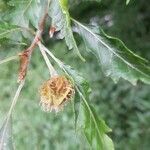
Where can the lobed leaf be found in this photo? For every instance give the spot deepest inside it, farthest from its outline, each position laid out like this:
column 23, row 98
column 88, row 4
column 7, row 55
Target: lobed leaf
column 10, row 31
column 25, row 12
column 61, row 21
column 94, row 127
column 116, row 60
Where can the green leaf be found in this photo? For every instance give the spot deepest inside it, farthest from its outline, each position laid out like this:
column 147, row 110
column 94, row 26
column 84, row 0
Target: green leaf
column 6, row 135
column 13, row 35
column 108, row 144
column 10, row 31
column 25, row 11
column 76, row 106
column 94, row 127
column 116, row 60
column 61, row 21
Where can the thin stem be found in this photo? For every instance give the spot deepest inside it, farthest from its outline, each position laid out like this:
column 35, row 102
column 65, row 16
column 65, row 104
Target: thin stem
column 14, row 101
column 16, row 97
column 60, row 64
column 51, row 55
column 8, row 59
column 49, row 65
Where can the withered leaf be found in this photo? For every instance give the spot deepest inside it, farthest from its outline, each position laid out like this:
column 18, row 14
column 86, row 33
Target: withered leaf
column 24, row 61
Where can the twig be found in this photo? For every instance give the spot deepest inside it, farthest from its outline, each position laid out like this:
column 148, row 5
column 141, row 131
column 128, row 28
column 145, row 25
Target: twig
column 26, row 54
column 25, row 57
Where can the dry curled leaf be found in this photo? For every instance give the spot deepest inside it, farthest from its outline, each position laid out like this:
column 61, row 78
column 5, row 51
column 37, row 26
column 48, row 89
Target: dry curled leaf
column 55, row 93
column 24, row 60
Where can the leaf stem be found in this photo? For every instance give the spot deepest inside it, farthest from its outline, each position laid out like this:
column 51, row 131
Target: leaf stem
column 8, row 59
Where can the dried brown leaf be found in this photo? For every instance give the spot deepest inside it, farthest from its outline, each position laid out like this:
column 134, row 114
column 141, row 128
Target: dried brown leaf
column 24, row 61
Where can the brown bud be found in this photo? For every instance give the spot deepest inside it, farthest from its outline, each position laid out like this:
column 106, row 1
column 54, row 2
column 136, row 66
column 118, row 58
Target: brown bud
column 52, row 31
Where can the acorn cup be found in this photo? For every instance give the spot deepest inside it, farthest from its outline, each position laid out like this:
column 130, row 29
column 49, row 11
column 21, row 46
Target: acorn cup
column 56, row 92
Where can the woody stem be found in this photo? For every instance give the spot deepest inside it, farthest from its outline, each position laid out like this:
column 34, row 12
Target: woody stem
column 26, row 54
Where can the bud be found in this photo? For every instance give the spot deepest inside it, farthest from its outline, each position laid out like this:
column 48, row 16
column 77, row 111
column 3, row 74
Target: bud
column 55, row 93
column 52, row 31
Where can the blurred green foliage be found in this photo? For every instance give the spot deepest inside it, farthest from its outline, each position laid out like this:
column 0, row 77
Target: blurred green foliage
column 124, row 107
